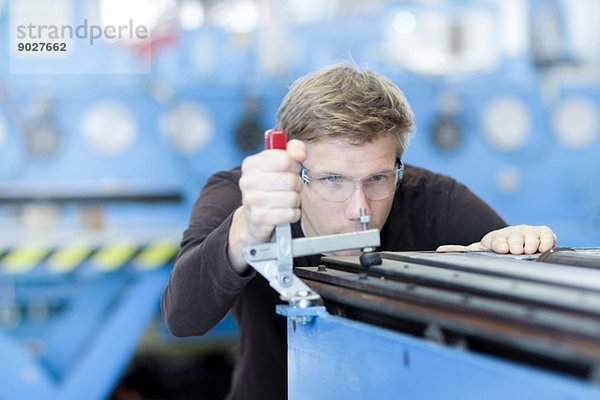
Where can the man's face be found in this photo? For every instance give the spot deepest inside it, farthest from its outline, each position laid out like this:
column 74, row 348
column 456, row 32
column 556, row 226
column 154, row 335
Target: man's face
column 330, row 157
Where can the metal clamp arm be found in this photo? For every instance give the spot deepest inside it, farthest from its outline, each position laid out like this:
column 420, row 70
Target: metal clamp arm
column 274, row 260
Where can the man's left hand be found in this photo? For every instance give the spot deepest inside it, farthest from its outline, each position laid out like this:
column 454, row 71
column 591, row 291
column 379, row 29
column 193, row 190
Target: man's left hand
column 520, row 239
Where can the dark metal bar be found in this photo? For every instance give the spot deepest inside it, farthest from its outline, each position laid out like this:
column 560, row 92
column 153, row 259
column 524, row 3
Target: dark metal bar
column 568, row 256
column 489, row 263
column 466, row 302
column 90, row 197
column 509, row 288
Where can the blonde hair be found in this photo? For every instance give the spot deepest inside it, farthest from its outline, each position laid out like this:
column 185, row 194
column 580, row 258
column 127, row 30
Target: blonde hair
column 344, row 102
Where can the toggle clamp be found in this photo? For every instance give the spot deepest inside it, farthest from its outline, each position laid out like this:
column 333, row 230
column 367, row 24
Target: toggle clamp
column 274, row 260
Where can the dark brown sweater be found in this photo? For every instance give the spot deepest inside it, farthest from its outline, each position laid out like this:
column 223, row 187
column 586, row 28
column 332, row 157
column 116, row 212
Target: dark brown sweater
column 429, row 210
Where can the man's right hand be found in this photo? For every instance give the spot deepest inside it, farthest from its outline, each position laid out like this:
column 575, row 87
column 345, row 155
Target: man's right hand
column 270, row 187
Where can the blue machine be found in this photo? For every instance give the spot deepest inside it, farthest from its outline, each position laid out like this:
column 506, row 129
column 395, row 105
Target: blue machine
column 334, row 357
column 73, row 314
column 448, row 326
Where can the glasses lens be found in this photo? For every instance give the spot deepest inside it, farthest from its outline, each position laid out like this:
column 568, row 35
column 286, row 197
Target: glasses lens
column 338, row 188
column 332, row 187
column 379, row 187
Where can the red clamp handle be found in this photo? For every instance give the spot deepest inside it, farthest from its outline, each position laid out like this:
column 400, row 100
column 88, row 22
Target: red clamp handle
column 275, row 139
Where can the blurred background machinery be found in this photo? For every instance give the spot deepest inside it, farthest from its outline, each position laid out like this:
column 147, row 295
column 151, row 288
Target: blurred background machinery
column 103, row 150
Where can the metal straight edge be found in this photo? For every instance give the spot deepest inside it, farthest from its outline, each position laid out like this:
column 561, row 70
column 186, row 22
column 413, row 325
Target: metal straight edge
column 338, row 242
column 507, row 266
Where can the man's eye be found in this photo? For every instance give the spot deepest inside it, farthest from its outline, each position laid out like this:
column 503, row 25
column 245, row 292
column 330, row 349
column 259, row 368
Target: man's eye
column 331, row 179
column 377, row 178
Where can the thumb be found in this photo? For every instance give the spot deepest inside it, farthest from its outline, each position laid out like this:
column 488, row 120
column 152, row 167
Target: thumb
column 454, row 247
column 297, row 150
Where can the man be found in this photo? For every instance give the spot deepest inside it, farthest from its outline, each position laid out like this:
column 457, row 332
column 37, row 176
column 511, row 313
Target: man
column 347, row 129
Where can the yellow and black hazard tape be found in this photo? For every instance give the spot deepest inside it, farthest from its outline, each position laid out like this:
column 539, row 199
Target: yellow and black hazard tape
column 108, row 257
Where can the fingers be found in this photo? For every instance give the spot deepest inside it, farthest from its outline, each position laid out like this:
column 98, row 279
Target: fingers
column 263, row 220
column 547, row 240
column 272, row 200
column 277, row 160
column 521, row 239
column 515, row 242
column 269, row 161
column 271, row 181
column 297, row 150
column 496, row 241
column 501, row 245
column 531, row 243
column 270, row 187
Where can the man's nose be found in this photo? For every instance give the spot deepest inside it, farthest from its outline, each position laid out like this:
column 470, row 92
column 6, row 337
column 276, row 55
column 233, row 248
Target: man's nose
column 354, row 203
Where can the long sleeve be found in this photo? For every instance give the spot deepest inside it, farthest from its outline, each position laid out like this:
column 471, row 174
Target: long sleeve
column 203, row 286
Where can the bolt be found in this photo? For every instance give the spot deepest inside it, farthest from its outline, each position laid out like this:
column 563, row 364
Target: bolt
column 364, row 219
